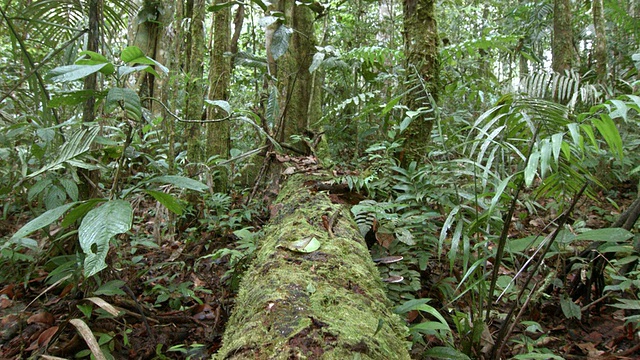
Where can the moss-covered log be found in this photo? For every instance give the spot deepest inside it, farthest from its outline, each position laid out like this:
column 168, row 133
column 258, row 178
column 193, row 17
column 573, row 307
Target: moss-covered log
column 325, row 304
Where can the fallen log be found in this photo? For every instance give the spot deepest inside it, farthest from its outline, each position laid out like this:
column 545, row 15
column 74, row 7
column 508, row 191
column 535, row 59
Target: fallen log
column 312, row 291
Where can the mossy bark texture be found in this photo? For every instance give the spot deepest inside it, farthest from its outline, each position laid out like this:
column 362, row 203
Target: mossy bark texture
column 325, row 304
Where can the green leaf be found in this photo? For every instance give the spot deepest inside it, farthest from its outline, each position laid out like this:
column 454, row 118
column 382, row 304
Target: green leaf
column 317, row 60
column 532, row 166
column 168, row 200
column 627, row 304
column 97, row 229
column 80, row 211
column 569, row 308
column 545, row 156
column 129, row 100
column 133, row 55
column 610, row 133
column 96, row 59
column 609, row 234
column 75, row 97
column 280, row 41
column 224, row 105
column 73, row 72
column 47, row 218
column 179, row 181
column 110, row 288
column 445, row 352
column 79, row 143
column 220, row 6
column 305, row 245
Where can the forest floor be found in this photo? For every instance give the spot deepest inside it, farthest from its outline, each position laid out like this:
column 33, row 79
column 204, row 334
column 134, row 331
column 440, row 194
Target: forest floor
column 176, row 300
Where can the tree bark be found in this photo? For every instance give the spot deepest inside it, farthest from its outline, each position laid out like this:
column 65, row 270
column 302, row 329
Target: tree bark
column 326, row 304
column 219, row 133
column 195, row 84
column 600, row 43
column 562, row 42
column 423, row 67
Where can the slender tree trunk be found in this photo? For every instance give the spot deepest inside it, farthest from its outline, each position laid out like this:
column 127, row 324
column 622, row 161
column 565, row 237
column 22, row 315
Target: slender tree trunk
column 421, row 46
column 562, row 42
column 195, row 84
column 90, row 178
column 600, row 43
column 218, row 133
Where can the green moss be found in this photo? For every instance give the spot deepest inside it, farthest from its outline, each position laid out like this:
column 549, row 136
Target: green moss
column 325, row 304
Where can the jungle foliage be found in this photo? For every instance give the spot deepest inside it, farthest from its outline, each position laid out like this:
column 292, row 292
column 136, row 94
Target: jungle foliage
column 511, row 142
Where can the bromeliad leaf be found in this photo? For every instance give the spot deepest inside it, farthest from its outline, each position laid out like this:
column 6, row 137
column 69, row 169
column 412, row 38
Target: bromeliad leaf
column 97, row 229
column 78, row 144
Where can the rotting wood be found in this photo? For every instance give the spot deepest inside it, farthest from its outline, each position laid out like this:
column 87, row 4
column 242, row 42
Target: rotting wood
column 325, row 304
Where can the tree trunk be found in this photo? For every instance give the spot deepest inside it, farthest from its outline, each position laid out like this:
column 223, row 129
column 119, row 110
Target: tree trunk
column 219, row 133
column 195, row 84
column 600, row 43
column 421, row 47
column 295, row 80
column 562, row 42
column 326, row 304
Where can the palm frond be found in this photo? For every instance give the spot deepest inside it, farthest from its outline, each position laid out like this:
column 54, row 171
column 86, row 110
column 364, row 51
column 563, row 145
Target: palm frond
column 58, row 20
column 566, row 88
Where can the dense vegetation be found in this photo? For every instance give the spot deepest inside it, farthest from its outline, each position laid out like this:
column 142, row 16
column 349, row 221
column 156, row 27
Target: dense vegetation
column 141, row 143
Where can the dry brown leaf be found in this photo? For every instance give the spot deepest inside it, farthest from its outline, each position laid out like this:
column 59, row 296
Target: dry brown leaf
column 88, row 337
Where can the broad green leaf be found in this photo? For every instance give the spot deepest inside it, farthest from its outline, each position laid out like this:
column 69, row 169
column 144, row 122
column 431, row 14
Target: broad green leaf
column 429, row 326
column 96, row 230
column 620, row 111
column 80, row 211
column 545, row 156
column 133, row 55
column 305, row 245
column 607, row 235
column 224, row 105
column 79, row 143
column 405, row 123
column 280, row 41
column 110, row 288
column 47, row 218
column 556, row 144
column 532, row 166
column 73, row 72
column 75, row 97
column 445, row 228
column 569, row 308
column 127, row 98
column 168, row 200
column 317, row 60
column 627, row 304
column 610, row 133
column 409, row 305
column 445, row 352
column 96, row 59
column 180, row 181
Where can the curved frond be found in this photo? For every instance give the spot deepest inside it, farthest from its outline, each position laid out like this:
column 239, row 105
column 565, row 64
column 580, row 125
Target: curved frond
column 59, row 20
